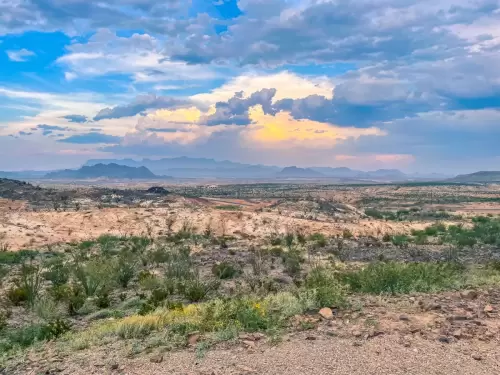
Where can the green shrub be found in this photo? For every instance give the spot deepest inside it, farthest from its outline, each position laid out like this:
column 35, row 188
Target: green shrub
column 16, row 257
column 347, row 234
column 400, row 240
column 292, row 260
column 93, row 276
column 125, row 269
column 329, row 292
column 225, row 270
column 398, row 278
column 58, row 273
column 195, row 290
column 17, row 295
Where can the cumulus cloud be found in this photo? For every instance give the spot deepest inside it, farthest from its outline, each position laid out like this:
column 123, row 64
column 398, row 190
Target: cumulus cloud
column 140, row 104
column 76, row 118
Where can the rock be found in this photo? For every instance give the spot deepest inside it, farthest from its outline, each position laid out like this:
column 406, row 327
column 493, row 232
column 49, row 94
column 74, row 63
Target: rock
column 404, row 318
column 245, row 369
column 477, row 356
column 114, row 366
column 326, row 313
column 193, row 338
column 357, row 333
column 249, row 344
column 444, row 339
column 469, row 294
column 357, row 343
column 457, row 334
column 156, row 358
column 311, row 338
column 488, row 309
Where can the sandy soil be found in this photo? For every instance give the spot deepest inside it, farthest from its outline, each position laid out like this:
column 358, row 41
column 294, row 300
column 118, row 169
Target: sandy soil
column 301, row 355
column 27, row 229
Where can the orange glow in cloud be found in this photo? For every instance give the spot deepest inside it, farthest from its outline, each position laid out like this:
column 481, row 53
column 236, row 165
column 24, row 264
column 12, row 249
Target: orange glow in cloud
column 283, row 130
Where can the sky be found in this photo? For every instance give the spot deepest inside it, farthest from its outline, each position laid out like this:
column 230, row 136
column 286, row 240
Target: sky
column 367, row 84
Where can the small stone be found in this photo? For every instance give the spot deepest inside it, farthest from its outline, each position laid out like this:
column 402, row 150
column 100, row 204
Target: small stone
column 245, row 368
column 444, row 339
column 114, row 366
column 477, row 357
column 311, row 338
column 457, row 333
column 326, row 313
column 357, row 333
column 249, row 344
column 488, row 309
column 404, row 318
column 357, row 343
column 193, row 338
column 156, row 358
column 469, row 294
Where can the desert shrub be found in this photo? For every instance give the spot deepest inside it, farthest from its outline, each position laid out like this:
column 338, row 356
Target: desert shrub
column 329, row 292
column 387, row 237
column 72, row 295
column 276, row 251
column 28, row 335
column 421, row 240
column 225, row 270
column 347, row 234
column 30, row 283
column 465, row 240
column 93, row 276
column 275, row 241
column 196, row 289
column 376, row 214
column 179, row 264
column 398, row 278
column 125, row 269
column 16, row 257
column 319, row 238
column 47, row 308
column 103, row 301
column 400, row 240
column 258, row 257
column 289, row 240
column 292, row 260
column 57, row 272
column 4, row 316
column 4, row 271
column 17, row 295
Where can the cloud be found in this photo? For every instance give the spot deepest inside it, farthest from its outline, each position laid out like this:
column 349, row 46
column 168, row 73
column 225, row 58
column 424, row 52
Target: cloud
column 76, row 118
column 79, row 16
column 287, row 85
column 49, row 129
column 19, row 55
column 91, row 138
column 140, row 104
column 138, row 56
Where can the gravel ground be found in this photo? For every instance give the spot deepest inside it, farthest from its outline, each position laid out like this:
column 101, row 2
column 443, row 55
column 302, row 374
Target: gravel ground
column 299, row 356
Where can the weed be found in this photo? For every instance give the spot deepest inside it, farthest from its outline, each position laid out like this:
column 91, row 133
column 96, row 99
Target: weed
column 328, row 290
column 225, row 270
column 397, row 278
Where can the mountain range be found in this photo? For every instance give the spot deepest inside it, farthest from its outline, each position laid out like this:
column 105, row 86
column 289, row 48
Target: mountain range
column 101, row 170
column 185, row 167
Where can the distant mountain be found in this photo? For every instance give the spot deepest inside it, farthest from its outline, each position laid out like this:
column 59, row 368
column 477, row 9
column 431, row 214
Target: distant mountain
column 185, row 167
column 294, row 172
column 380, row 174
column 100, row 170
column 482, row 176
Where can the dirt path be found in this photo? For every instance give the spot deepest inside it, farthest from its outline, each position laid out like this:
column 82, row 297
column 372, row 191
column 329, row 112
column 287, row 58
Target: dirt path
column 298, row 356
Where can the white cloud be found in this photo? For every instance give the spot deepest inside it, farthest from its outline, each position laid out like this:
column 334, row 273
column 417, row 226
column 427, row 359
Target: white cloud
column 139, row 56
column 287, row 85
column 19, row 55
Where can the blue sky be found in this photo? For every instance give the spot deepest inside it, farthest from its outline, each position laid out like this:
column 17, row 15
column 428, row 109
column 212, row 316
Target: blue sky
column 367, row 84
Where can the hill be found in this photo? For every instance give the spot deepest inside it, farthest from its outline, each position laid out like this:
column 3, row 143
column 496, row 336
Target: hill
column 111, row 170
column 482, row 176
column 186, row 167
column 295, row 172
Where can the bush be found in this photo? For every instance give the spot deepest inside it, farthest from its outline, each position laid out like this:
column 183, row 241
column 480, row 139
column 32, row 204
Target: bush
column 58, row 273
column 398, row 278
column 225, row 270
column 195, row 290
column 347, row 234
column 400, row 240
column 125, row 269
column 17, row 295
column 329, row 292
column 292, row 260
column 93, row 276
